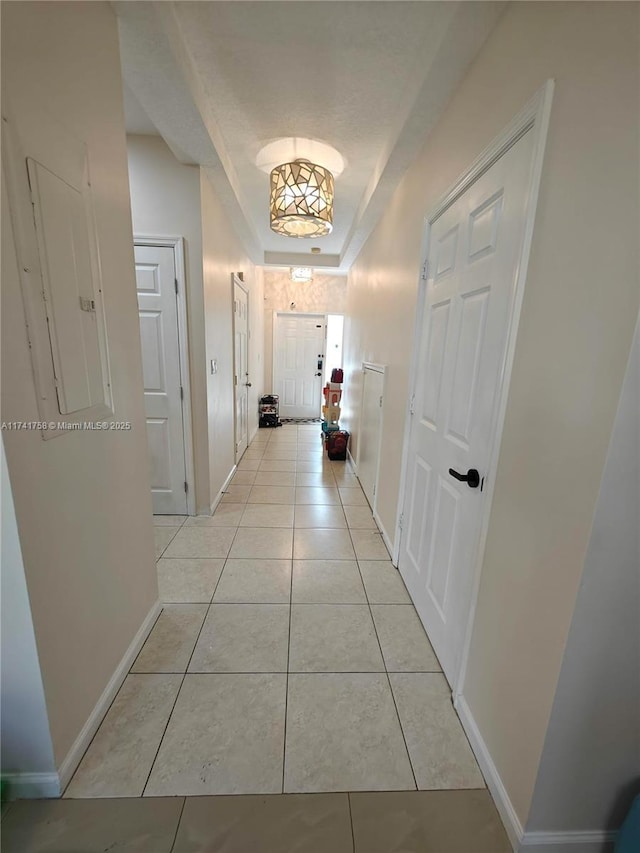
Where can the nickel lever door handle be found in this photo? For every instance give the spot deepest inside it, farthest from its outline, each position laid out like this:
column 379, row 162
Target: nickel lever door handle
column 471, row 478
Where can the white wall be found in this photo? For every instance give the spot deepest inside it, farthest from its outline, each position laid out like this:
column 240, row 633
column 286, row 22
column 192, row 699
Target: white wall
column 580, row 304
column 591, row 759
column 224, row 255
column 82, row 500
column 27, row 751
column 165, row 201
column 326, row 294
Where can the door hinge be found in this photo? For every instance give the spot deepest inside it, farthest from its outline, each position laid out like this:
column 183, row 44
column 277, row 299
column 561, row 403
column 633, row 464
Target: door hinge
column 186, row 486
column 380, row 402
column 412, row 405
column 181, row 393
column 176, row 284
column 401, row 521
column 425, row 271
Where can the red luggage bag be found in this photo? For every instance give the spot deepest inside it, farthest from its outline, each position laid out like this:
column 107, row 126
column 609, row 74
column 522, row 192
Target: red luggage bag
column 337, row 444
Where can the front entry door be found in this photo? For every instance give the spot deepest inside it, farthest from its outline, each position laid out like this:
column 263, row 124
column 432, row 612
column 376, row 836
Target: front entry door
column 241, row 366
column 474, row 254
column 298, row 358
column 159, row 334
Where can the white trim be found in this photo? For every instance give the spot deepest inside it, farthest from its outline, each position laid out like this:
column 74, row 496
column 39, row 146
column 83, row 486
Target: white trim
column 413, row 373
column 177, row 244
column 381, row 369
column 218, row 497
column 235, row 279
column 533, row 118
column 383, row 532
column 274, row 343
column 490, row 772
column 32, row 786
column 377, row 368
column 81, row 743
column 591, row 841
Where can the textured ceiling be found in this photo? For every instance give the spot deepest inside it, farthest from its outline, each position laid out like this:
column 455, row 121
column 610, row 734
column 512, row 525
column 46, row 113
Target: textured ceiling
column 219, row 80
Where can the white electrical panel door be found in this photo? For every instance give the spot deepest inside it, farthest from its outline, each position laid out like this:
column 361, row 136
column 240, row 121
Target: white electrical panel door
column 49, row 188
column 63, row 240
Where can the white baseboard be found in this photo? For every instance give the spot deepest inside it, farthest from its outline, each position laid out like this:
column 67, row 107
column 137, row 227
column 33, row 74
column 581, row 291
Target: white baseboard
column 568, row 842
column 218, row 497
column 74, row 756
column 492, row 777
column 32, row 786
column 385, row 536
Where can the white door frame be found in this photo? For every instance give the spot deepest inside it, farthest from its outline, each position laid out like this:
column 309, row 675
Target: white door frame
column 534, row 118
column 235, row 279
column 274, row 343
column 177, row 244
column 376, row 368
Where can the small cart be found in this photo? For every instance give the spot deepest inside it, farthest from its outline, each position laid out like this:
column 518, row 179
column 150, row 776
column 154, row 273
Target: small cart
column 269, row 410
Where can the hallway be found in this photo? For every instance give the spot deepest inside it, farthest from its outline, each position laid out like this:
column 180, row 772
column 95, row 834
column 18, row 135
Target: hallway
column 288, row 657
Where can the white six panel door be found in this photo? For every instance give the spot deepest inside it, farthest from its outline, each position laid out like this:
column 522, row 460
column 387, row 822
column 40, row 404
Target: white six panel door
column 474, row 253
column 241, row 366
column 299, row 348
column 157, row 309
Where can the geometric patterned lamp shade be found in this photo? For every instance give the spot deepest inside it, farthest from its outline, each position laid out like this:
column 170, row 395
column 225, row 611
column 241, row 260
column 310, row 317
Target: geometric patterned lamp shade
column 301, row 202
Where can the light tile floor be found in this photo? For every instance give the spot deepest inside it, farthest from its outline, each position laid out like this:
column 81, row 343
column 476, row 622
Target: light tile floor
column 395, row 822
column 288, row 657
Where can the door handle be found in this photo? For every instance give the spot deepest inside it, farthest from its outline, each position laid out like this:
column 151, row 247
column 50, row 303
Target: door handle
column 471, row 478
column 248, row 384
column 317, row 374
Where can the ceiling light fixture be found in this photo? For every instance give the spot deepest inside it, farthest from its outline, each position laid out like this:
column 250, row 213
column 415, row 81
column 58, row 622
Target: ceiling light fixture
column 301, row 274
column 301, row 202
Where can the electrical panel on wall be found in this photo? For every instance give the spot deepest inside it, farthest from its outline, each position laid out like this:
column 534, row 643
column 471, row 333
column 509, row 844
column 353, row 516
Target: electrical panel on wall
column 48, row 178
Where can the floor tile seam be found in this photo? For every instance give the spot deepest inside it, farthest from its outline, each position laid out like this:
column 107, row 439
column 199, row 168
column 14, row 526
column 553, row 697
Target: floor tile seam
column 393, row 698
column 353, row 832
column 179, row 691
column 290, row 671
column 286, row 694
column 175, row 837
column 90, row 744
column 159, row 557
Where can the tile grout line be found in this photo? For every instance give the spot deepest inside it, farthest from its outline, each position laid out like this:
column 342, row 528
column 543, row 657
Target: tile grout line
column 175, row 837
column 184, row 675
column 353, row 832
column 386, row 670
column 90, row 744
column 286, row 693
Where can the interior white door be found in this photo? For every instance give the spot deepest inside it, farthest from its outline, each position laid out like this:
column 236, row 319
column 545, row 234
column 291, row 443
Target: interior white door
column 159, row 333
column 474, row 253
column 241, row 366
column 298, row 357
column 370, row 431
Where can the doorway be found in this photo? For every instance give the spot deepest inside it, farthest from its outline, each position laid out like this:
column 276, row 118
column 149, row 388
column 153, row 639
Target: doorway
column 160, row 285
column 241, row 383
column 477, row 247
column 298, row 363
